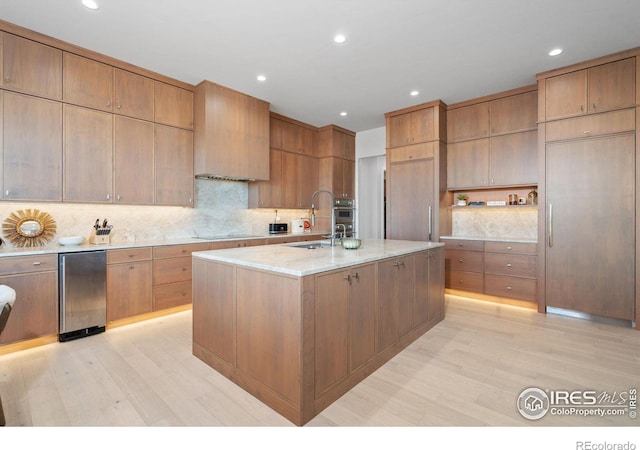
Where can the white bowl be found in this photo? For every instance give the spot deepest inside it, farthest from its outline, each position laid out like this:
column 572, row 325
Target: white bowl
column 71, row 240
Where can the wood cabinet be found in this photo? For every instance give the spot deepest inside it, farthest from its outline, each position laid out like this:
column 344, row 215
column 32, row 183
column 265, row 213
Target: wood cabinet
column 416, row 173
column 87, row 82
column 395, row 299
column 464, row 265
column 174, row 106
column 292, row 136
column 133, row 161
column 35, row 312
column 600, row 88
column 133, row 96
column 173, row 166
column 300, row 173
column 412, row 126
column 268, row 194
column 336, row 141
column 492, row 141
column 345, row 323
column 32, row 148
column 231, row 134
column 129, row 283
column 88, row 155
column 429, row 287
column 172, row 274
column 30, row 67
column 338, row 176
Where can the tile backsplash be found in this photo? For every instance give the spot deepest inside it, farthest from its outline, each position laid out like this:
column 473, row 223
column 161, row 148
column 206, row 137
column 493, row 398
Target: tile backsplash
column 220, row 209
column 497, row 222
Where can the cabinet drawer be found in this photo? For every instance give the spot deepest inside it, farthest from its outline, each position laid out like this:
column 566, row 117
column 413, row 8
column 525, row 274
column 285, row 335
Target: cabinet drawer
column 171, row 295
column 521, row 248
column 129, row 255
column 174, row 251
column 464, row 281
column 26, row 264
column 592, row 125
column 463, row 244
column 467, row 261
column 512, row 287
column 417, row 151
column 171, row 270
column 513, row 265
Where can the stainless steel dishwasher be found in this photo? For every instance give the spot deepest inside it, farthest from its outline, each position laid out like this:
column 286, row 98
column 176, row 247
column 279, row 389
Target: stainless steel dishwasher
column 83, row 294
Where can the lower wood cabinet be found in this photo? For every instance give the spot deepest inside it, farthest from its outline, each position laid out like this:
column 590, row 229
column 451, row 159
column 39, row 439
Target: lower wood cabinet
column 129, row 278
column 464, row 265
column 35, row 311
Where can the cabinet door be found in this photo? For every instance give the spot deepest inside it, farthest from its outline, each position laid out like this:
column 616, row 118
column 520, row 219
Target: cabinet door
column 129, row 290
column 133, row 95
column 30, row 67
column 173, row 105
column 514, row 113
column 173, row 162
column 612, row 86
column 88, row 155
column 348, row 178
column 32, row 144
column 565, row 95
column 300, row 180
column 308, row 178
column 590, row 256
column 399, row 130
column 411, row 200
column 268, row 194
column 88, row 82
column 133, row 161
column 421, row 125
column 362, row 312
column 468, row 164
column 468, row 122
column 514, row 159
column 35, row 312
column 388, row 308
column 406, row 294
column 435, row 284
column 255, row 130
column 332, row 329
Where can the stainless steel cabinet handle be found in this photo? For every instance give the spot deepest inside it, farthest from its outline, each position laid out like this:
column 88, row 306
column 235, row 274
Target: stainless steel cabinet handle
column 430, row 222
column 348, row 278
column 508, row 288
column 550, row 225
column 509, row 265
column 37, row 263
column 108, row 197
column 509, row 247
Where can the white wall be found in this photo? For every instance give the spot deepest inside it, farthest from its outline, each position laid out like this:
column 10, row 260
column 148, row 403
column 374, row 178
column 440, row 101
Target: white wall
column 371, row 163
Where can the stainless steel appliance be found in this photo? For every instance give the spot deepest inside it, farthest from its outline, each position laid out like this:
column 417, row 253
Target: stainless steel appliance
column 83, row 294
column 345, row 211
column 278, row 228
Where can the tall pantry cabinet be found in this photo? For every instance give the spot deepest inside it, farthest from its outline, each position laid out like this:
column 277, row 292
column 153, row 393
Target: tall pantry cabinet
column 588, row 116
column 416, row 172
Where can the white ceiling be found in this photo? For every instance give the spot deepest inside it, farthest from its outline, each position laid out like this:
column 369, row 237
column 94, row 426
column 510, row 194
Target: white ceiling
column 451, row 50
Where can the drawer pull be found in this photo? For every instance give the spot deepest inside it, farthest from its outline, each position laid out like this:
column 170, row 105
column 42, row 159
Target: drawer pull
column 460, row 245
column 184, row 269
column 508, row 247
column 131, row 256
column 460, row 261
column 132, row 267
column 37, row 263
column 508, row 288
column 184, row 251
column 508, row 264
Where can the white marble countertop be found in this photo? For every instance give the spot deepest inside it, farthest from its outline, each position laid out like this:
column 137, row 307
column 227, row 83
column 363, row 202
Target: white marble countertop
column 55, row 248
column 286, row 259
column 492, row 239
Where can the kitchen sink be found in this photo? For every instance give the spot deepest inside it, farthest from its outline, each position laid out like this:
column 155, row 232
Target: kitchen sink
column 311, row 245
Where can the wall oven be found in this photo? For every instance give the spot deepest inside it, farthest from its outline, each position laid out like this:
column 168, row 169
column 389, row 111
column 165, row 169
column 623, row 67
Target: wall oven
column 345, row 211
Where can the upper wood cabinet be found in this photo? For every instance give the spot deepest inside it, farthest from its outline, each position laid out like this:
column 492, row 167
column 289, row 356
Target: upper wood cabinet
column 411, row 127
column 88, row 82
column 338, row 142
column 173, row 105
column 301, row 180
column 133, row 161
column 88, row 155
column 31, row 148
column 338, row 176
column 231, row 133
column 30, row 67
column 292, row 136
column 133, row 95
column 468, row 122
column 268, row 193
column 173, row 166
column 600, row 88
column 514, row 113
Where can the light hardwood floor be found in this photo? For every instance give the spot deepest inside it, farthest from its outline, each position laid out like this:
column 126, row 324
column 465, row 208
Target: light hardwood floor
column 467, row 371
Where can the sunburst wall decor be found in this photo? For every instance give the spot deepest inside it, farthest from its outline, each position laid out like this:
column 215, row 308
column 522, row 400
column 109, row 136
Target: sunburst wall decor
column 29, row 228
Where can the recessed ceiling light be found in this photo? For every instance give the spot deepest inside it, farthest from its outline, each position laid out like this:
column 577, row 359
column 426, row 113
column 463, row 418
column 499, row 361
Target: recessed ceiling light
column 343, row 113
column 414, row 93
column 555, row 52
column 339, row 39
column 91, row 4
column 261, row 78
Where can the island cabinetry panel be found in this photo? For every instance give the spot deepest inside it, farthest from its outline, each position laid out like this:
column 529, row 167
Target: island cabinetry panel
column 30, row 67
column 600, row 88
column 31, row 147
column 129, row 283
column 429, row 287
column 172, row 275
column 345, row 323
column 35, row 312
column 396, row 279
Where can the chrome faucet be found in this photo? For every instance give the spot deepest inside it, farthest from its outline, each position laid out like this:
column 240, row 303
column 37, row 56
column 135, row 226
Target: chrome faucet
column 333, row 213
column 344, row 230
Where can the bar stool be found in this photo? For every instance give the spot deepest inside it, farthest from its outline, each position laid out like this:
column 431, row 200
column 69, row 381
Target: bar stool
column 7, row 298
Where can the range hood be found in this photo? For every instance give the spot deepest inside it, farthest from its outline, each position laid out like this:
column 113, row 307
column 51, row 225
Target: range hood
column 212, row 176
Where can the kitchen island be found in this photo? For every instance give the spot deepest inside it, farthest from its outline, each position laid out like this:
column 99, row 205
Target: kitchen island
column 299, row 327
